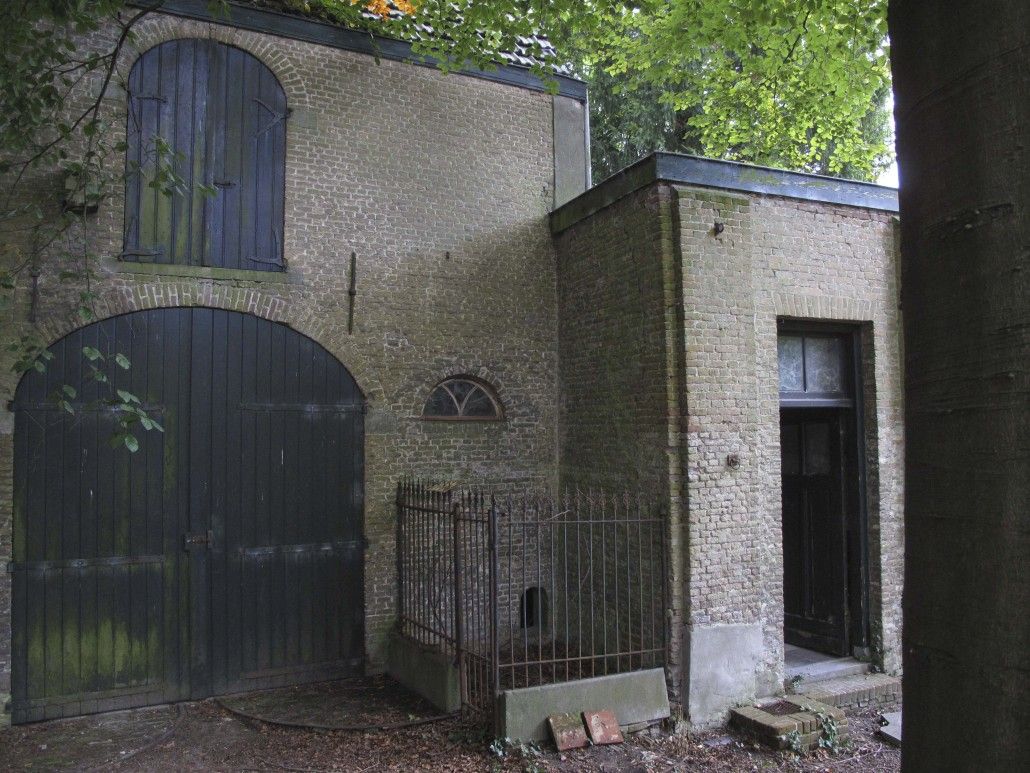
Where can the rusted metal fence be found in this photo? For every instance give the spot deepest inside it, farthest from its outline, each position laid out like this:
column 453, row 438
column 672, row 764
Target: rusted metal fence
column 525, row 591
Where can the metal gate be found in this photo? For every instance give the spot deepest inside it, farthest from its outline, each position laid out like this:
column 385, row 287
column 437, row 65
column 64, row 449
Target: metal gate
column 529, row 590
column 225, row 555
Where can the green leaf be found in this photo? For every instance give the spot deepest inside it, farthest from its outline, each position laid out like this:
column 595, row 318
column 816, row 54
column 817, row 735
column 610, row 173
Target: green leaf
column 92, row 354
column 131, row 442
column 122, row 361
column 127, row 397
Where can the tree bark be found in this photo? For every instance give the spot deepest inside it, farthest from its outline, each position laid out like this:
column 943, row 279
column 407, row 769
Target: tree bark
column 962, row 106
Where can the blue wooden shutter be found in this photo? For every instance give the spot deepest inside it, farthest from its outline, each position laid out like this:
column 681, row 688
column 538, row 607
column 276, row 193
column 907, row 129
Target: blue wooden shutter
column 224, row 115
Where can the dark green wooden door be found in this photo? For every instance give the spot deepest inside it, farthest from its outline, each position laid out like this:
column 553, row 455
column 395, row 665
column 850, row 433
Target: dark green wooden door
column 815, row 598
column 224, row 555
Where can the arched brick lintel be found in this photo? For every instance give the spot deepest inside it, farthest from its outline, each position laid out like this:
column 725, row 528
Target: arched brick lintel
column 160, row 28
column 245, row 300
column 461, row 367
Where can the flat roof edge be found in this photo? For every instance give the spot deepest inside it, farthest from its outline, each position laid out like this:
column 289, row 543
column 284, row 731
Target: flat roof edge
column 725, row 176
column 321, row 33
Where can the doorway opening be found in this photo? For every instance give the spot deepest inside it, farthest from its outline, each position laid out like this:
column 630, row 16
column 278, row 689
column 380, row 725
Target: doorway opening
column 825, row 582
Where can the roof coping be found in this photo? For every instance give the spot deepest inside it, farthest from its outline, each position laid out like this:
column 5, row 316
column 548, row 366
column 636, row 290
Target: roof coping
column 726, row 176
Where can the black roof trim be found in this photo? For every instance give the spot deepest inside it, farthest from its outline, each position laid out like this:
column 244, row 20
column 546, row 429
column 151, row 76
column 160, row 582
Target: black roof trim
column 318, row 32
column 725, row 176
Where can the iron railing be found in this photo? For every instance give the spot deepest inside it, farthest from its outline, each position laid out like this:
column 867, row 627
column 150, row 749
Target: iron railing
column 525, row 591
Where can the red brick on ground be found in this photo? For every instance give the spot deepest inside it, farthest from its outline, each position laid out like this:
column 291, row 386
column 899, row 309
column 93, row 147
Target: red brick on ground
column 603, row 727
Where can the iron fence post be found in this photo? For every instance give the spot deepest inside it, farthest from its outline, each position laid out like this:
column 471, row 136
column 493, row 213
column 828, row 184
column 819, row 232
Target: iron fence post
column 495, row 620
column 459, row 644
column 400, row 555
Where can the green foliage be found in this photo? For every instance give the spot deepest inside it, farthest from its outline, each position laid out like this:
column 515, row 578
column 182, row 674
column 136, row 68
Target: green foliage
column 51, row 126
column 526, row 753
column 794, row 83
column 800, row 84
column 793, row 739
column 830, row 739
column 629, row 120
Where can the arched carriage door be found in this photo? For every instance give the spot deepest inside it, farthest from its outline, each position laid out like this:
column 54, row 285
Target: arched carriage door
column 224, row 555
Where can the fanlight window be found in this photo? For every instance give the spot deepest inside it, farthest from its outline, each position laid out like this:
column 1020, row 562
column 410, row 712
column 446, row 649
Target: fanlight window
column 814, row 368
column 462, row 398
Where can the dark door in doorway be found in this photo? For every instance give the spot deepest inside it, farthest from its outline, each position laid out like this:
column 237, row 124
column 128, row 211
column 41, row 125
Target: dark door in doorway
column 815, row 597
column 825, row 579
column 224, row 555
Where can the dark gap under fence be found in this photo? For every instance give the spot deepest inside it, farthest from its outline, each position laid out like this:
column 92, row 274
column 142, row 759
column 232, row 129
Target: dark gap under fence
column 530, row 590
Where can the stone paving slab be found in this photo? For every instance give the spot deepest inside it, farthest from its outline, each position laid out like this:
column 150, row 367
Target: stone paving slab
column 892, row 729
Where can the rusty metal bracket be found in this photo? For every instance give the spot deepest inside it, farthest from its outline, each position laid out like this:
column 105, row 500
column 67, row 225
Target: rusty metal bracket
column 352, row 292
column 200, row 539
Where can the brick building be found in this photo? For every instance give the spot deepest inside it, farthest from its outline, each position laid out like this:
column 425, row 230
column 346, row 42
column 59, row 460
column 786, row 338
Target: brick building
column 396, row 251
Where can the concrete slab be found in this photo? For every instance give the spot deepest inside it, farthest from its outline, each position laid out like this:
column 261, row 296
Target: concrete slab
column 571, row 150
column 723, row 664
column 425, row 672
column 891, row 731
column 636, row 696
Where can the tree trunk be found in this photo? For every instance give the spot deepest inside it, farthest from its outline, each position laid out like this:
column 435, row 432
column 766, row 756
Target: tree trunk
column 962, row 105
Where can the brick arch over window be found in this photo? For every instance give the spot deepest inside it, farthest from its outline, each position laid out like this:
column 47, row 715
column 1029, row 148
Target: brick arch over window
column 217, row 115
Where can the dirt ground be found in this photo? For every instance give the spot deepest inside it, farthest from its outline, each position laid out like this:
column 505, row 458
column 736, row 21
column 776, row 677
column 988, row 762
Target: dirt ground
column 207, row 736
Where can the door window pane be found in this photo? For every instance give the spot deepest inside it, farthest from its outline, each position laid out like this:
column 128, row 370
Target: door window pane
column 792, row 375
column 823, row 365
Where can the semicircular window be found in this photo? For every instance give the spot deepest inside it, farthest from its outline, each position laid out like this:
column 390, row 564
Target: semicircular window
column 461, row 398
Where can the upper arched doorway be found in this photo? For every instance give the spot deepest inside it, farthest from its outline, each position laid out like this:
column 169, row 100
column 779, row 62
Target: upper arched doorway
column 224, row 555
column 217, row 115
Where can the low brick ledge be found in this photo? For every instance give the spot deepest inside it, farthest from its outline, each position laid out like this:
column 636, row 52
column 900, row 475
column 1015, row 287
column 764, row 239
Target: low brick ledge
column 775, row 729
column 855, row 692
